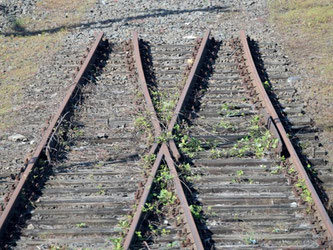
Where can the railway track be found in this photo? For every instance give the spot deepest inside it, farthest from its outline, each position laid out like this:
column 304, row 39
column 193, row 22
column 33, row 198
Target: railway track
column 168, row 146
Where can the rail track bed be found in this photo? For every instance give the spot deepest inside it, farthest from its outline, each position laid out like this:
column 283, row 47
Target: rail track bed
column 170, row 146
column 247, row 199
column 94, row 186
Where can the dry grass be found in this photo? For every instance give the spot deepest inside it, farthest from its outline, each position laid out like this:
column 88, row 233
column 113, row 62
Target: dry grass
column 308, row 29
column 58, row 13
column 19, row 62
column 21, row 56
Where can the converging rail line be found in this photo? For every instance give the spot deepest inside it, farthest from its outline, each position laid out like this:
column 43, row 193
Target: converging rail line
column 42, row 148
column 265, row 102
column 166, row 146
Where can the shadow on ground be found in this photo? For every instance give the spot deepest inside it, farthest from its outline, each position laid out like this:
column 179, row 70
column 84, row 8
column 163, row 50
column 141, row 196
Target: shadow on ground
column 19, row 30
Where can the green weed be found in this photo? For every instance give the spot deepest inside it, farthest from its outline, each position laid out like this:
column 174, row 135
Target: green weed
column 240, row 172
column 258, row 142
column 196, row 211
column 250, row 240
column 81, row 225
column 267, row 85
column 276, row 170
column 148, row 160
column 306, row 194
column 227, row 125
column 117, row 243
column 142, row 123
column 165, row 137
column 291, row 170
column 189, row 145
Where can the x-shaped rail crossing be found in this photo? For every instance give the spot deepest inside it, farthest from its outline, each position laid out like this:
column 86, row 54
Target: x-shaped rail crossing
column 190, row 226
column 248, row 67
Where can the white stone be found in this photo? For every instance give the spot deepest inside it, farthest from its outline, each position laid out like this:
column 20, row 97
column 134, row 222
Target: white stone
column 293, row 204
column 102, row 135
column 17, row 137
column 190, row 37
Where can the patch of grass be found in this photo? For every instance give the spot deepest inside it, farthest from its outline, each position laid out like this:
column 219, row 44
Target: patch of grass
column 307, row 14
column 172, row 244
column 165, row 137
column 239, row 177
column 291, row 170
column 60, row 14
column 122, row 226
column 267, row 85
column 257, row 143
column 216, row 153
column 163, row 196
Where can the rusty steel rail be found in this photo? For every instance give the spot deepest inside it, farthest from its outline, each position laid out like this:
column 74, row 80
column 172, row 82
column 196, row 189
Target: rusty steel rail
column 164, row 150
column 137, row 215
column 143, row 84
column 7, row 213
column 190, row 79
column 267, row 104
column 190, row 225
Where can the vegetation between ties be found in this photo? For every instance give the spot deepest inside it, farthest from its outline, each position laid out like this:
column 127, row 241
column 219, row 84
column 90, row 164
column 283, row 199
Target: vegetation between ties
column 257, row 143
column 305, row 192
column 162, row 200
column 160, row 205
column 300, row 185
